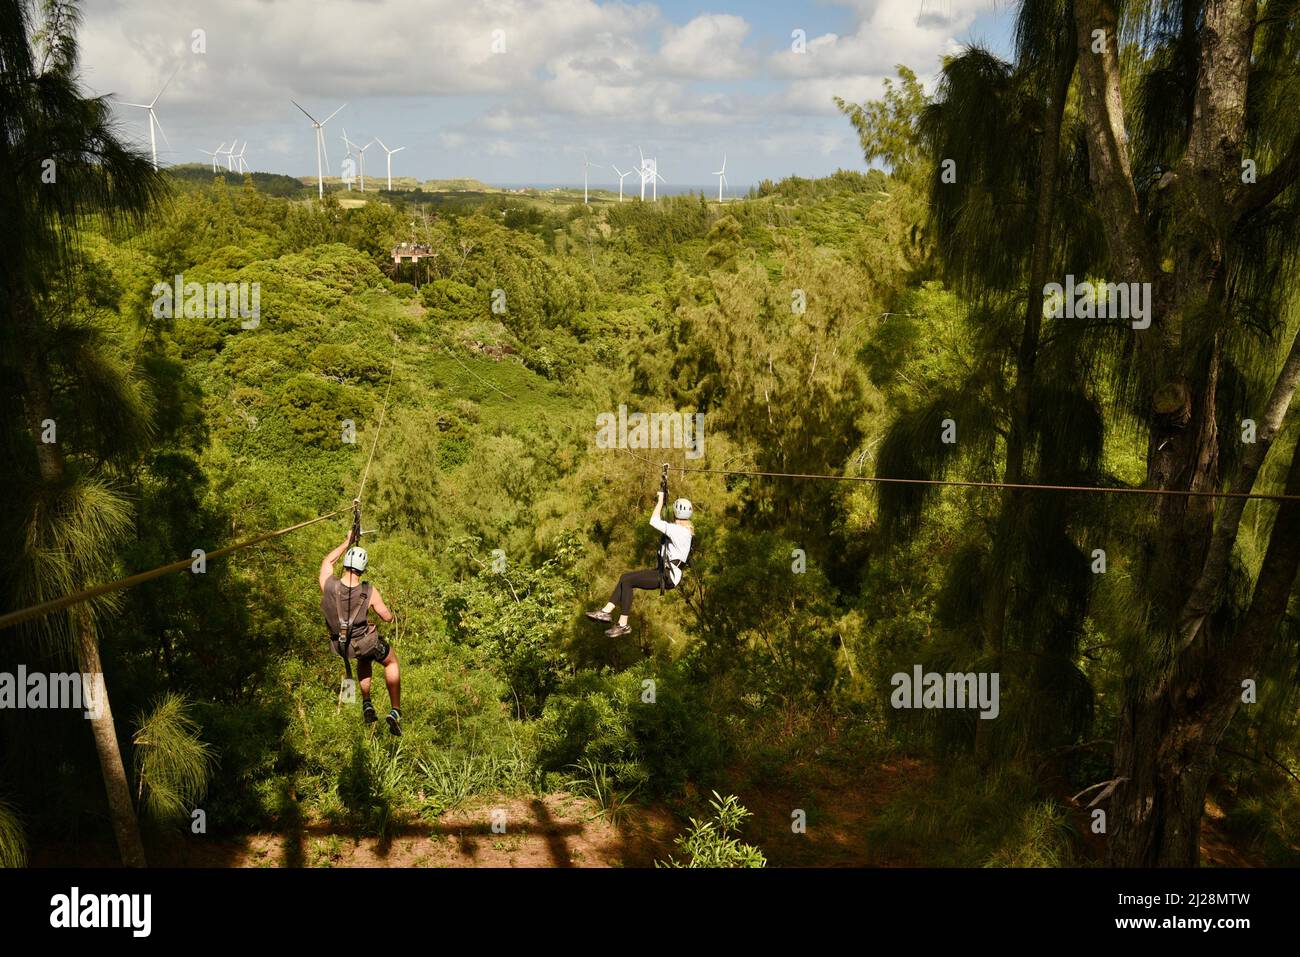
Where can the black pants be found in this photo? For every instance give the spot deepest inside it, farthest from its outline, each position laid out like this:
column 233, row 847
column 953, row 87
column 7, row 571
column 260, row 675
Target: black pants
column 646, row 578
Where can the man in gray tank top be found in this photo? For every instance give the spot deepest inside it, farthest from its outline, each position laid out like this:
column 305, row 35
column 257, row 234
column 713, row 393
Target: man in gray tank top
column 346, row 603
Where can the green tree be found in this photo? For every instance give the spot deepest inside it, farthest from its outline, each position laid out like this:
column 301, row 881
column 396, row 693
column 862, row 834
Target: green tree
column 63, row 168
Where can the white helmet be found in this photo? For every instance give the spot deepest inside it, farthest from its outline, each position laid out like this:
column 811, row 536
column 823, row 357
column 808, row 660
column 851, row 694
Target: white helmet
column 356, row 559
column 682, row 508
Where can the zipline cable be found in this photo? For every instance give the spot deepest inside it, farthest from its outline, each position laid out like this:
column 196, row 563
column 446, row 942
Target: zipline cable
column 12, row 618
column 490, row 385
column 382, row 412
column 954, row 483
column 9, row 619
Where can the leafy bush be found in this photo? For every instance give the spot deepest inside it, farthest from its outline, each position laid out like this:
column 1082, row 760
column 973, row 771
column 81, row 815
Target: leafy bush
column 516, row 619
column 172, row 764
column 317, row 408
column 605, row 720
column 711, row 842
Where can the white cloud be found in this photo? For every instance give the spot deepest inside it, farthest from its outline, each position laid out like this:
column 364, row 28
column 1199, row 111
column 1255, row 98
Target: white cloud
column 708, row 47
column 816, row 95
column 588, row 74
column 887, row 32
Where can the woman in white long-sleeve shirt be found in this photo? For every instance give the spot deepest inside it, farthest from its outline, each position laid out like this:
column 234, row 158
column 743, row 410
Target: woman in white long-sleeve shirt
column 676, row 548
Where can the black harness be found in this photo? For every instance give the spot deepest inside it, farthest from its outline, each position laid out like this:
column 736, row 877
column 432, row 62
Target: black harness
column 346, row 622
column 663, row 561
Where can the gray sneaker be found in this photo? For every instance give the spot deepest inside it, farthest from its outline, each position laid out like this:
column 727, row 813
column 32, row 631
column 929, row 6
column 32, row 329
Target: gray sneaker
column 599, row 616
column 618, row 631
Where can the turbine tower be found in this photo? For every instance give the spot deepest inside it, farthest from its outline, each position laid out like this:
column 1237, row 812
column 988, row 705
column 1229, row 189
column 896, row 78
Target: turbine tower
column 621, row 175
column 361, row 152
column 320, row 146
column 390, row 160
column 586, row 165
column 722, row 176
column 226, row 153
column 239, row 157
column 350, row 147
column 153, row 119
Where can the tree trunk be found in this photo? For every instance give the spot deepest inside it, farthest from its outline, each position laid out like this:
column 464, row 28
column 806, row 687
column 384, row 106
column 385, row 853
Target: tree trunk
column 1166, row 743
column 126, row 826
column 1180, row 695
column 40, row 406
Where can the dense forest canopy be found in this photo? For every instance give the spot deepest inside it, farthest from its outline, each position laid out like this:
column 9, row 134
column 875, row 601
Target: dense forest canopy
column 889, row 323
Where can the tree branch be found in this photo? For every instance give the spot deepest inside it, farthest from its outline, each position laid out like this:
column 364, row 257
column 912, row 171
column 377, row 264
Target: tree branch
column 1204, row 596
column 1108, row 161
column 1253, row 197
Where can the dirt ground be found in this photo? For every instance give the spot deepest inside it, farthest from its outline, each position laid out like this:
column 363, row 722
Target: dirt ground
column 563, row 830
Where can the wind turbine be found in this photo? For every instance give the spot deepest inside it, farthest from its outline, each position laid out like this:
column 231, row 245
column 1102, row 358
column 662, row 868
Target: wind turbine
column 214, row 154
column 390, row 160
column 621, row 174
column 650, row 174
column 586, row 165
column 349, row 146
column 227, row 153
column 722, row 176
column 320, row 146
column 240, row 158
column 153, row 119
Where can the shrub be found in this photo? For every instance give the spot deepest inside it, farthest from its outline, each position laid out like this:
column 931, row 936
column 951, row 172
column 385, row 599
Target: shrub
column 711, row 842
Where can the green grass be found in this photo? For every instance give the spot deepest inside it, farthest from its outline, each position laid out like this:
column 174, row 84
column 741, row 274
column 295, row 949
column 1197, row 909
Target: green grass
column 963, row 820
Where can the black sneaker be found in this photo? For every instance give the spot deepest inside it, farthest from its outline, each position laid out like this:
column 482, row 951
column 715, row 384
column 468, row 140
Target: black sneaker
column 599, row 616
column 394, row 720
column 618, row 631
column 368, row 712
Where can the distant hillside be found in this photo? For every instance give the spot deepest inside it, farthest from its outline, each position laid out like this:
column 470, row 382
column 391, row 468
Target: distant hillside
column 409, row 183
column 276, row 184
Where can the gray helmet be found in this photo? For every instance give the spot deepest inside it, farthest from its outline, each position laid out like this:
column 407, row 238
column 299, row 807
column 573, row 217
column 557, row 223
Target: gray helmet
column 682, row 508
column 356, row 559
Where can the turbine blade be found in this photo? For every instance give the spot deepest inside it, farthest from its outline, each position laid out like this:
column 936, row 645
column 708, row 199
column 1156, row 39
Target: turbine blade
column 381, row 143
column 167, row 84
column 153, row 116
column 304, row 112
column 398, row 150
column 332, row 115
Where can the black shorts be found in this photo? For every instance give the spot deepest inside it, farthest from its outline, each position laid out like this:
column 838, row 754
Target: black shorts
column 378, row 654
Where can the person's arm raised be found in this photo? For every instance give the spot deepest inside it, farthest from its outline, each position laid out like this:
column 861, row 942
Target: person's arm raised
column 655, row 520
column 327, row 563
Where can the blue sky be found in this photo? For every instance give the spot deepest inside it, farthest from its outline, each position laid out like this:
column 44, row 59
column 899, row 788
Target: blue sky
column 512, row 91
